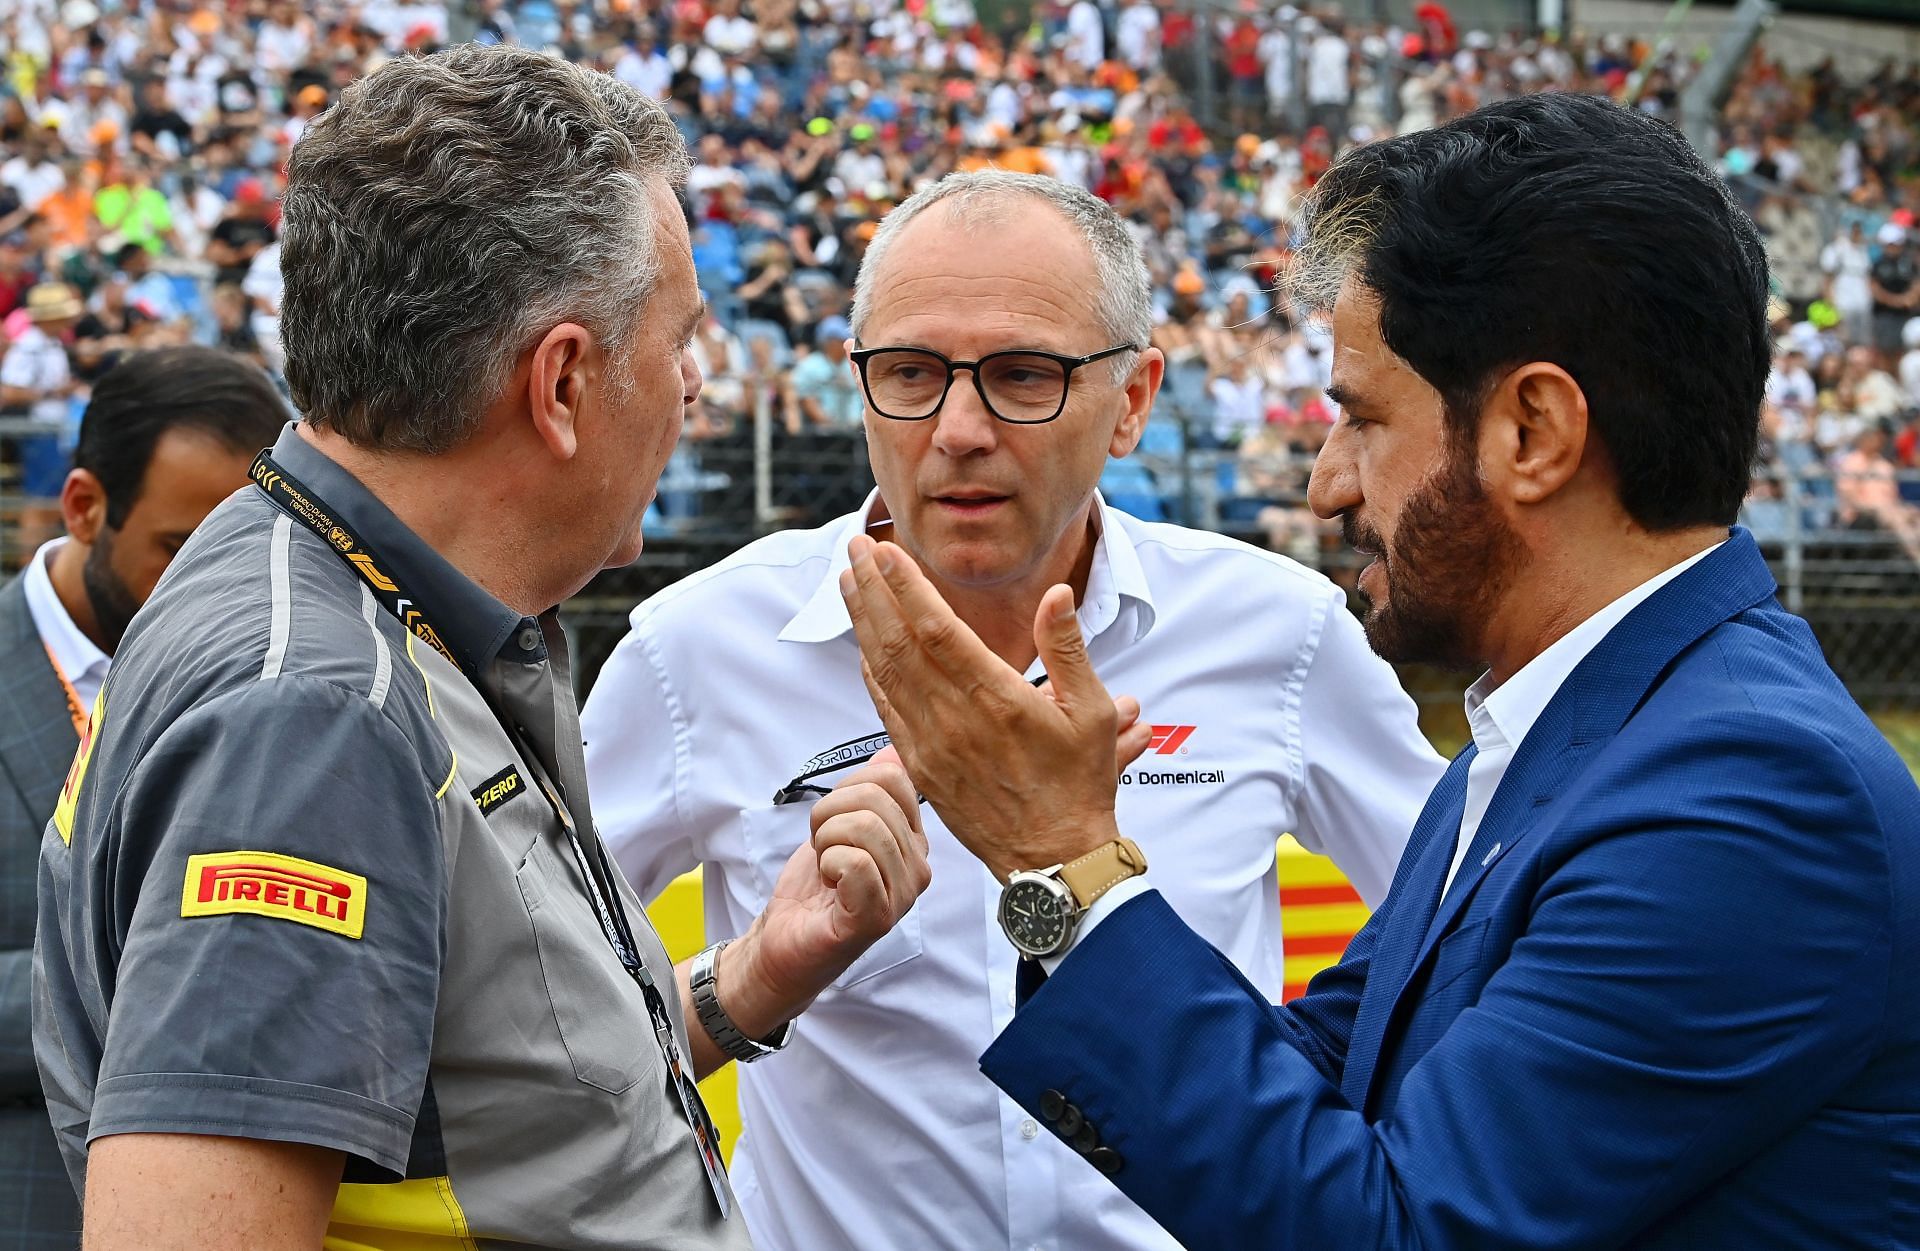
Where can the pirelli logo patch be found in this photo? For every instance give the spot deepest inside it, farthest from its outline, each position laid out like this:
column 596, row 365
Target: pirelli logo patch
column 264, row 884
column 498, row 789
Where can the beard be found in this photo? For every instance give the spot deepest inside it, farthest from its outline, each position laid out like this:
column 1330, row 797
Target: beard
column 1451, row 558
column 107, row 594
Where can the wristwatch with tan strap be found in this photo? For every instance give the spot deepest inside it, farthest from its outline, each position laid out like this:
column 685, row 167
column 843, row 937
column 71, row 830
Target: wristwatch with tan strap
column 1041, row 908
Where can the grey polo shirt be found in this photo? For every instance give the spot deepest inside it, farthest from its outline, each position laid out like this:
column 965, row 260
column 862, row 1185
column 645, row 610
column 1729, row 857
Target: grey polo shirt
column 303, row 885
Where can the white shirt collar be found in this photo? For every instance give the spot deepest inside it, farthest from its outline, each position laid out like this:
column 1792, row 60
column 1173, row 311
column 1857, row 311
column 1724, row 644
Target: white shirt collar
column 1501, row 716
column 83, row 663
column 1115, row 582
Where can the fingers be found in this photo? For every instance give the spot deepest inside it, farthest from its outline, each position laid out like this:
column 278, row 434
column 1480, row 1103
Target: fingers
column 874, row 812
column 943, row 642
column 857, row 885
column 1131, row 743
column 1063, row 650
column 1127, row 709
column 866, row 834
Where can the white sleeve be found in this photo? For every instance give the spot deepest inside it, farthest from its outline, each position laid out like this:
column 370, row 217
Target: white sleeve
column 636, row 736
column 1103, row 908
column 1366, row 768
column 16, row 369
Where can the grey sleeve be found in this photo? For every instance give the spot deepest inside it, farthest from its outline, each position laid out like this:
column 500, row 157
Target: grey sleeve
column 278, row 885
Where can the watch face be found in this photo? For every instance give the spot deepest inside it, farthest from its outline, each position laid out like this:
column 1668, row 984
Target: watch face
column 1035, row 915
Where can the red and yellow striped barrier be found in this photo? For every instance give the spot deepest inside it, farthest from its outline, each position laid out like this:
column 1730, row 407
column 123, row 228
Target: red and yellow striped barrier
column 1319, row 913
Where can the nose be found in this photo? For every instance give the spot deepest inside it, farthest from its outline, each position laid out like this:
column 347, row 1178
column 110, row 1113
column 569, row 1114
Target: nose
column 963, row 426
column 691, row 381
column 1335, row 485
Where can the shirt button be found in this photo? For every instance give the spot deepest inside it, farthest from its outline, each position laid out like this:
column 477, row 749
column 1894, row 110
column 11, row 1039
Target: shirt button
column 529, row 638
column 1029, row 1130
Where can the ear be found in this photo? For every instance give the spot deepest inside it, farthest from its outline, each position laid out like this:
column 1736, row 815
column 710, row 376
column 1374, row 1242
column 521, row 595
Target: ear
column 562, row 370
column 1142, row 385
column 83, row 506
column 1533, row 432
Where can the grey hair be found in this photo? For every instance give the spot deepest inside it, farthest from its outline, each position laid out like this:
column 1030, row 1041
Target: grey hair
column 444, row 214
column 1124, row 302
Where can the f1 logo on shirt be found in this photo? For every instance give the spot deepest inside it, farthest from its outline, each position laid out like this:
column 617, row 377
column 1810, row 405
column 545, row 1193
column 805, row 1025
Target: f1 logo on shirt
column 265, row 884
column 1168, row 740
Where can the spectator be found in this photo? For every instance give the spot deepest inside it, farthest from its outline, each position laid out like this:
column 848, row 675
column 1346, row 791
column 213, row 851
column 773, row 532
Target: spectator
column 825, row 393
column 1239, row 400
column 1896, row 291
column 17, row 272
column 724, row 396
column 241, row 233
column 1869, row 495
column 1910, row 362
column 158, row 130
column 132, row 208
column 31, row 173
column 1848, row 262
column 36, row 381
column 1329, row 78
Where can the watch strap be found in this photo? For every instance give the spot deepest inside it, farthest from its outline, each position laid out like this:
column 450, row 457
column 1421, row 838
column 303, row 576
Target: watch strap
column 1102, row 869
column 714, row 1019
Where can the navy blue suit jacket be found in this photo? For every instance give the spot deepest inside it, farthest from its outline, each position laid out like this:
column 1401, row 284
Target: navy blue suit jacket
column 1672, row 999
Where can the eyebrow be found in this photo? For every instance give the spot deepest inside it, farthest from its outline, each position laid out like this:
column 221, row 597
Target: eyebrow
column 693, row 322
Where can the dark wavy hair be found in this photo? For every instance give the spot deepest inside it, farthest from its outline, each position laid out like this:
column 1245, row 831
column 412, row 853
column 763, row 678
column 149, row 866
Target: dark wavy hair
column 1564, row 228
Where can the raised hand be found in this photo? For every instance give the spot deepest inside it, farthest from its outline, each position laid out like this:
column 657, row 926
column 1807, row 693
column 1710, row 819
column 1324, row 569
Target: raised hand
column 1024, row 778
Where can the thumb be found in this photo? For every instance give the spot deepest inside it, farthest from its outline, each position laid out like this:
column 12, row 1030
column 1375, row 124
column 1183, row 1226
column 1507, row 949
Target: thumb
column 888, row 755
column 1063, row 651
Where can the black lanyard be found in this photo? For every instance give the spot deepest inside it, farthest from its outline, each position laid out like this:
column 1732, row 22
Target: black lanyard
column 303, row 506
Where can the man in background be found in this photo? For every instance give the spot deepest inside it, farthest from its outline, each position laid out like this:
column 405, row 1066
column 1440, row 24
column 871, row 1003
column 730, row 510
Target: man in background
column 166, row 436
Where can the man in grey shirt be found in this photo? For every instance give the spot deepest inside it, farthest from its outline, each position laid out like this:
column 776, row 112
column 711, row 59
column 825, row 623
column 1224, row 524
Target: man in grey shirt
column 329, row 947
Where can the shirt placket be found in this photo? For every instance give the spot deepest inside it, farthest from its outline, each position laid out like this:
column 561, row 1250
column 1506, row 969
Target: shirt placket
column 1034, row 1215
column 1033, row 1190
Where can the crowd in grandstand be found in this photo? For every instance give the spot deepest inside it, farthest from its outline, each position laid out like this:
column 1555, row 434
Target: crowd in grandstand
column 141, row 150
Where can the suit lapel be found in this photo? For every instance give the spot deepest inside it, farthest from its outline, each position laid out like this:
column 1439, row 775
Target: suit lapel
column 36, row 731
column 1593, row 703
column 1435, row 836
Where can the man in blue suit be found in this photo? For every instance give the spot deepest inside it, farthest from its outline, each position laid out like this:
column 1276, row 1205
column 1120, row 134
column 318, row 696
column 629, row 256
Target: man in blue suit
column 1649, row 974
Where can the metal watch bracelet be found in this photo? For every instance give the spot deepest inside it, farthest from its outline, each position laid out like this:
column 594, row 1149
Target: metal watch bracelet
column 714, row 1019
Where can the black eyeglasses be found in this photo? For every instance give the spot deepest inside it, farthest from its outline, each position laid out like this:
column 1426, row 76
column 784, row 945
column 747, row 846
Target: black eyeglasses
column 1022, row 388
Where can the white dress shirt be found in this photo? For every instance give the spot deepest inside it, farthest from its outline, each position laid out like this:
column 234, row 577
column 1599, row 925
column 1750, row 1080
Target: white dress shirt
column 875, row 1128
column 83, row 663
column 1500, row 716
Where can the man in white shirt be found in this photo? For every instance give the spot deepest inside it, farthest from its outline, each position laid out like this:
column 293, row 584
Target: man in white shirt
column 264, row 286
column 1329, row 79
column 35, row 375
column 167, row 436
column 737, row 699
column 1239, row 401
column 32, row 172
column 1086, row 35
column 729, row 32
column 1139, row 36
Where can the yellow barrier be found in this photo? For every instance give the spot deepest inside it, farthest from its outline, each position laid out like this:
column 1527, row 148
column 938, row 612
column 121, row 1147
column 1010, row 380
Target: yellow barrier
column 1319, row 914
column 678, row 916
